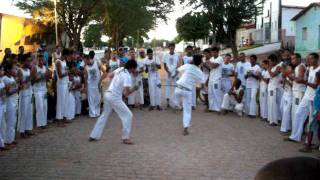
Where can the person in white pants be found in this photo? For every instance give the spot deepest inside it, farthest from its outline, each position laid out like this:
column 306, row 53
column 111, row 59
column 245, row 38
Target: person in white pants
column 206, row 72
column 62, row 87
column 187, row 59
column 227, row 74
column 298, row 87
column 77, row 92
column 214, row 88
column 153, row 65
column 191, row 74
column 241, row 69
column 10, row 102
column 233, row 100
column 286, row 100
column 263, row 95
column 25, row 110
column 40, row 76
column 171, row 63
column 275, row 74
column 305, row 107
column 252, row 76
column 137, row 97
column 120, row 85
column 2, row 110
column 93, row 80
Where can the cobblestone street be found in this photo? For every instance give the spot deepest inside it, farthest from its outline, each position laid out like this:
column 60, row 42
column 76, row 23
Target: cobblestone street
column 219, row 147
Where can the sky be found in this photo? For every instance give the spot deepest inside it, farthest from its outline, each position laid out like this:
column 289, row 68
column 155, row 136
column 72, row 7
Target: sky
column 163, row 30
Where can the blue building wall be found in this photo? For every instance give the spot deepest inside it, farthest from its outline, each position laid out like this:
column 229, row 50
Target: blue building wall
column 311, row 21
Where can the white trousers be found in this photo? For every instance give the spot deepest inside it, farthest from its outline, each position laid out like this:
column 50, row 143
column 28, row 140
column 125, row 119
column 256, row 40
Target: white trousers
column 185, row 97
column 169, row 88
column 286, row 102
column 304, row 110
column 215, row 96
column 272, row 106
column 194, row 96
column 226, row 85
column 2, row 123
column 279, row 95
column 11, row 118
column 136, row 96
column 154, row 90
column 77, row 97
column 296, row 99
column 113, row 103
column 94, row 101
column 41, row 107
column 251, row 101
column 230, row 103
column 25, row 116
column 62, row 94
column 263, row 96
column 71, row 106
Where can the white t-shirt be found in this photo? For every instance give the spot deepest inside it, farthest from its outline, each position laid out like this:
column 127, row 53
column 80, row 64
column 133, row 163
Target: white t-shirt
column 216, row 74
column 2, row 91
column 187, row 59
column 190, row 76
column 151, row 63
column 310, row 92
column 11, row 82
column 274, row 82
column 265, row 75
column 250, row 81
column 227, row 70
column 298, row 87
column 241, row 69
column 172, row 62
column 120, row 80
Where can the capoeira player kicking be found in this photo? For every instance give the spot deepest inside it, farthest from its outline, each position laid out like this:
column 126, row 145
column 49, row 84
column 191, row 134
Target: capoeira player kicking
column 191, row 74
column 119, row 86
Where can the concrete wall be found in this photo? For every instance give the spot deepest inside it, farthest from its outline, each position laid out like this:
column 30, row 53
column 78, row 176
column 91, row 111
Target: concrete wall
column 310, row 20
column 287, row 24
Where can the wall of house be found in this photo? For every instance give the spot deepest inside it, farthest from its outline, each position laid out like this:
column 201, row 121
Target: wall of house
column 312, row 41
column 15, row 31
column 287, row 24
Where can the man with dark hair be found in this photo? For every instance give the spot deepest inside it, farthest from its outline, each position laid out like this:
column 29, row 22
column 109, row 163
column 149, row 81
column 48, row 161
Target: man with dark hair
column 285, row 55
column 191, row 74
column 120, row 86
column 227, row 73
column 305, row 107
column 241, row 68
column 6, row 57
column 123, row 59
column 206, row 72
column 20, row 53
column 171, row 64
column 296, row 168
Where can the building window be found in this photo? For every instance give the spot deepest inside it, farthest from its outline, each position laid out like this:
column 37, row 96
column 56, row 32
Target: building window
column 304, row 33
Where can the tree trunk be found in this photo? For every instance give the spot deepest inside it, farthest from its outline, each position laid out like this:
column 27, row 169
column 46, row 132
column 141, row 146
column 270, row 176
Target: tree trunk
column 233, row 44
column 194, row 43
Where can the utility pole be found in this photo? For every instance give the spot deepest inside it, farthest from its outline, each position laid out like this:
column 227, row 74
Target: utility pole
column 56, row 21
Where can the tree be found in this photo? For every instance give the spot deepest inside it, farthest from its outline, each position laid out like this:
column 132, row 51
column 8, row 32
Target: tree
column 92, row 36
column 192, row 27
column 74, row 15
column 226, row 16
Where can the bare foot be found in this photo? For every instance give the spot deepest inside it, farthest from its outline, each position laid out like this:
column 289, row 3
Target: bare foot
column 127, row 142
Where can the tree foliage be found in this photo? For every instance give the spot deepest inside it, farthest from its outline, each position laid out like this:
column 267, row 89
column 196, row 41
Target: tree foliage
column 74, row 15
column 226, row 16
column 92, row 36
column 192, row 27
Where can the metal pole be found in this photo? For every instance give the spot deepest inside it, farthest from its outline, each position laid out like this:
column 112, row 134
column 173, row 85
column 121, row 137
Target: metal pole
column 56, row 20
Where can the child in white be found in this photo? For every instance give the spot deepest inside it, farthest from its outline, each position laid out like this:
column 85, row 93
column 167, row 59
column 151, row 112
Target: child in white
column 39, row 76
column 215, row 94
column 263, row 95
column 92, row 84
column 137, row 96
column 227, row 73
column 25, row 116
column 241, row 69
column 233, row 100
column 286, row 99
column 10, row 102
column 120, row 84
column 275, row 74
column 153, row 65
column 77, row 93
column 71, row 102
column 171, row 61
column 191, row 74
column 305, row 108
column 252, row 84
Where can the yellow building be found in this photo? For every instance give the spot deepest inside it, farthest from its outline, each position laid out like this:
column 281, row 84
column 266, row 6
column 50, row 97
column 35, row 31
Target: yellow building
column 16, row 31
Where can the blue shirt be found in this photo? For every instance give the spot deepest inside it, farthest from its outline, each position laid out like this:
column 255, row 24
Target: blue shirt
column 124, row 59
column 316, row 102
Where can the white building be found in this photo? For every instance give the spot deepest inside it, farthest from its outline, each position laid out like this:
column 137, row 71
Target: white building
column 274, row 24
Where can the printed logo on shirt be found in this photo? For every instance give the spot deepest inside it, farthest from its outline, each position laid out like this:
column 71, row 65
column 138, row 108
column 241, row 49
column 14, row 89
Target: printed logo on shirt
column 271, row 93
column 297, row 101
column 241, row 70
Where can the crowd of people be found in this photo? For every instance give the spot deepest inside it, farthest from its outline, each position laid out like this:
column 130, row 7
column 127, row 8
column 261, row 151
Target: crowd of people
column 283, row 91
